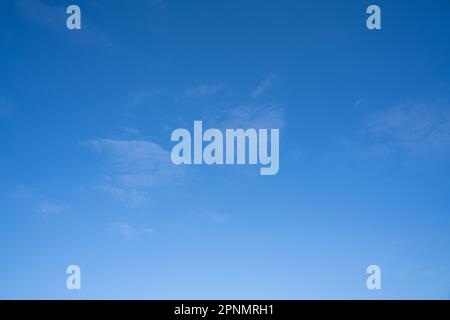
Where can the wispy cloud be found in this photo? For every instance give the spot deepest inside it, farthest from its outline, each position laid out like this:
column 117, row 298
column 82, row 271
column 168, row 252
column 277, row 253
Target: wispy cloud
column 136, row 163
column 131, row 131
column 217, row 217
column 133, row 168
column 209, row 216
column 132, row 197
column 359, row 103
column 46, row 207
column 23, row 192
column 204, row 90
column 250, row 116
column 40, row 13
column 413, row 126
column 263, row 86
column 40, row 202
column 129, row 231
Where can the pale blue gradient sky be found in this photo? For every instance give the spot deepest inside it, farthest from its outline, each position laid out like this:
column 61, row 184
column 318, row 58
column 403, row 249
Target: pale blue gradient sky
column 85, row 171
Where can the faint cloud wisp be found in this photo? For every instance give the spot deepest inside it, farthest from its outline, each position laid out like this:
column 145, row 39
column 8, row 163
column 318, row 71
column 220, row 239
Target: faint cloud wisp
column 203, row 91
column 133, row 168
column 415, row 127
column 39, row 201
column 250, row 116
column 129, row 231
column 262, row 87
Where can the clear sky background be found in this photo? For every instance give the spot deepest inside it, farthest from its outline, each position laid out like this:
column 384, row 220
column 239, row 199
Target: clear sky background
column 85, row 170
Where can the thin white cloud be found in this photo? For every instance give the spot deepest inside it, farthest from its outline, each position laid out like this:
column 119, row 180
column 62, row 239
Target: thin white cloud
column 132, row 131
column 204, row 90
column 415, row 127
column 129, row 231
column 39, row 201
column 51, row 208
column 250, row 116
column 23, row 192
column 38, row 12
column 133, row 168
column 359, row 103
column 263, row 86
column 216, row 217
column 208, row 216
column 132, row 197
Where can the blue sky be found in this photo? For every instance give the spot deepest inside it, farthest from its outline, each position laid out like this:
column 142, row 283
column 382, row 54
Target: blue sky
column 85, row 171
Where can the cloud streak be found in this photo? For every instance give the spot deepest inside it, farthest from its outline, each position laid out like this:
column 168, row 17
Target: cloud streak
column 129, row 231
column 262, row 87
column 250, row 116
column 415, row 127
column 41, row 204
column 40, row 13
column 204, row 91
column 50, row 208
column 133, row 168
